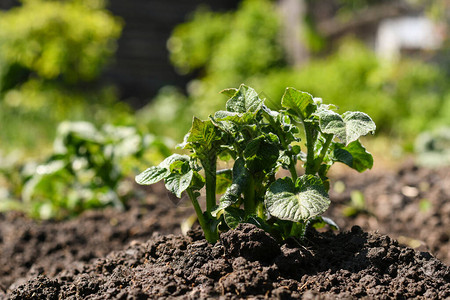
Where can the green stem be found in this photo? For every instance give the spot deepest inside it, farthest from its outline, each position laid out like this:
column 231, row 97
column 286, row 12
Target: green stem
column 209, row 235
column 260, row 210
column 297, row 229
column 323, row 152
column 249, row 196
column 280, row 135
column 310, row 141
column 293, row 171
column 209, row 165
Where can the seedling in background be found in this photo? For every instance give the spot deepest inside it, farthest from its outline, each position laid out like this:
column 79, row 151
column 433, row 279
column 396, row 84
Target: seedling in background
column 260, row 141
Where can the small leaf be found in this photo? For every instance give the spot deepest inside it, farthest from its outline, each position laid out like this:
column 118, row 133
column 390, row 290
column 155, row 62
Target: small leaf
column 320, row 222
column 357, row 124
column 157, row 173
column 300, row 103
column 152, row 175
column 229, row 92
column 260, row 155
column 233, row 192
column 202, row 132
column 332, row 123
column 234, row 216
column 299, row 202
column 244, row 100
column 236, row 118
column 354, row 155
column 178, row 183
column 224, row 179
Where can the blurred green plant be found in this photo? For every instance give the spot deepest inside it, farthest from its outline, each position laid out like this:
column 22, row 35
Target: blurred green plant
column 51, row 53
column 433, row 147
column 356, row 206
column 88, row 169
column 66, row 41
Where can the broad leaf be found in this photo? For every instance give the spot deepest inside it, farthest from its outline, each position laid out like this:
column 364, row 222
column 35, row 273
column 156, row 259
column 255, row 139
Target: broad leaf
column 178, row 183
column 357, row 124
column 299, row 103
column 353, row 155
column 244, row 100
column 299, row 202
column 348, row 128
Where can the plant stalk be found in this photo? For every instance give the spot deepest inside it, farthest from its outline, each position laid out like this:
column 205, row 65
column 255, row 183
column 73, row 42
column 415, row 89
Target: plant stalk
column 323, row 152
column 249, row 196
column 310, row 140
column 209, row 165
column 209, row 235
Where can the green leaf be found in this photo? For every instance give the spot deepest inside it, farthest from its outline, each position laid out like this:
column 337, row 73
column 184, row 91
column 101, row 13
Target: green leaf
column 236, row 118
column 152, row 175
column 234, row 216
column 299, row 202
column 353, row 155
column 233, row 192
column 178, row 183
column 357, row 124
column 157, row 173
column 348, row 128
column 331, row 122
column 260, row 155
column 320, row 222
column 301, row 104
column 224, row 179
column 202, row 132
column 244, row 100
column 229, row 92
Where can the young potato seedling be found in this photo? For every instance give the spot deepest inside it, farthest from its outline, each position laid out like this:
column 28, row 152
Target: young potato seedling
column 260, row 141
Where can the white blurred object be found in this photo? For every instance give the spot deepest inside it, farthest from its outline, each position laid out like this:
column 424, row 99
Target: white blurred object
column 415, row 33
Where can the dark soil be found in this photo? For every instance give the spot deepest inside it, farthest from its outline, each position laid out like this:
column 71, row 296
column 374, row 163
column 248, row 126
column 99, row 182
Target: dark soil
column 131, row 255
column 411, row 205
column 351, row 264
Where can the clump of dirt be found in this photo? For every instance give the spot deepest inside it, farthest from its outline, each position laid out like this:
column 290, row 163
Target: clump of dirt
column 328, row 266
column 411, row 205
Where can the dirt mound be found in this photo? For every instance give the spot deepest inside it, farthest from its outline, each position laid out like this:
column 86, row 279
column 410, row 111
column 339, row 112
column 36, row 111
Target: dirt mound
column 350, row 264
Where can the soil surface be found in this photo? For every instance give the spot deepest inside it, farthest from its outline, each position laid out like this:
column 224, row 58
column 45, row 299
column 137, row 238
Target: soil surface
column 131, row 255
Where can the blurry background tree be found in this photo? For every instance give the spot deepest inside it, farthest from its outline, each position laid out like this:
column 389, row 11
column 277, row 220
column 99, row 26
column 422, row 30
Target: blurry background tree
column 51, row 54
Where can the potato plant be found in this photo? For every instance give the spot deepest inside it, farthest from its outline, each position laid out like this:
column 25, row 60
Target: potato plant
column 259, row 142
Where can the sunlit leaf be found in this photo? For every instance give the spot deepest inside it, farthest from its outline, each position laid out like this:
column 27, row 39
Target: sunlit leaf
column 300, row 103
column 299, row 202
column 357, row 124
column 353, row 155
column 244, row 100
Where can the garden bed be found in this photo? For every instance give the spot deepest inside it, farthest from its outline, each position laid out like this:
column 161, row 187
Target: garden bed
column 140, row 253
